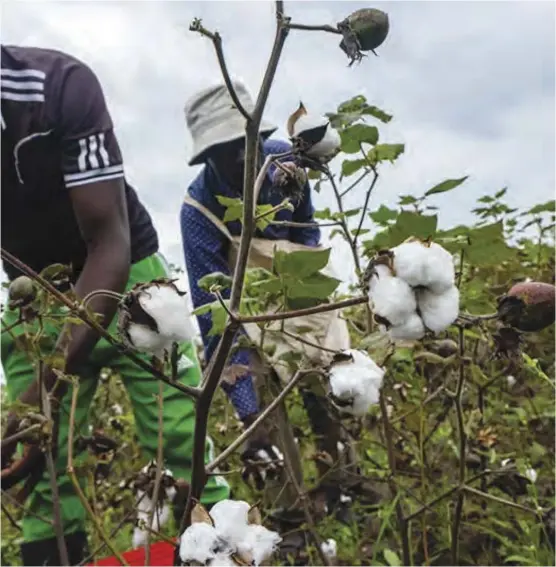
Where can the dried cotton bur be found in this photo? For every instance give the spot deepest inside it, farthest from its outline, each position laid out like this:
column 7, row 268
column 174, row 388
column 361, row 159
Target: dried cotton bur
column 411, row 289
column 231, row 534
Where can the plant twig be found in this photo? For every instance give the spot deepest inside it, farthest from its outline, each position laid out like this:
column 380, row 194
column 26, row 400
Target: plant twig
column 308, row 343
column 82, row 313
column 158, row 476
column 279, row 316
column 403, row 523
column 302, row 496
column 217, row 42
column 251, row 429
column 325, row 28
column 500, row 500
column 56, row 509
column 71, row 473
column 250, row 184
column 355, row 183
column 462, row 447
column 6, row 495
column 10, row 518
column 21, row 434
column 365, row 206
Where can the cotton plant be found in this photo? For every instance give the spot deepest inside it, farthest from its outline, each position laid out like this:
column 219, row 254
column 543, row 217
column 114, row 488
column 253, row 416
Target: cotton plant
column 144, row 495
column 231, row 534
column 153, row 316
column 355, row 381
column 412, row 290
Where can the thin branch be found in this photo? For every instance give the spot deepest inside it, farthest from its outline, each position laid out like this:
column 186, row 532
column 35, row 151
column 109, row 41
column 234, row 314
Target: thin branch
column 462, row 447
column 302, row 312
column 8, row 328
column 5, row 494
column 294, row 224
column 251, row 182
column 82, row 313
column 10, row 518
column 365, row 205
column 217, row 42
column 56, row 509
column 355, row 183
column 71, row 473
column 251, row 429
column 391, row 484
column 21, row 434
column 325, row 28
column 500, row 500
column 308, row 343
column 158, row 476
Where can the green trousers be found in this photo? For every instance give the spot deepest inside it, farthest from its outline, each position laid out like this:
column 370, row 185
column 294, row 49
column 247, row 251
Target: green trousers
column 179, row 414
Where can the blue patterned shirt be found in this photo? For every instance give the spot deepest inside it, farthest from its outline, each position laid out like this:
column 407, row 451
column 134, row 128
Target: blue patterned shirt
column 206, row 251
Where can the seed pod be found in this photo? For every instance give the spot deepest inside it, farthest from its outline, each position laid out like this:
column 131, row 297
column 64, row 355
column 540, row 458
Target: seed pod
column 528, row 306
column 364, row 30
column 21, row 292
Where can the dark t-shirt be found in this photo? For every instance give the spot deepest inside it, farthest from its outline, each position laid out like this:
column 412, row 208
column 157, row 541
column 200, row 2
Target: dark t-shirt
column 56, row 134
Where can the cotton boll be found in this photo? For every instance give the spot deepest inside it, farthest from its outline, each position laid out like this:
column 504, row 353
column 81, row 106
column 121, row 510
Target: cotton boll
column 139, row 538
column 357, row 380
column 169, row 309
column 201, row 542
column 410, row 260
column 258, row 543
column 222, row 560
column 324, row 140
column 329, row 548
column 531, row 475
column 439, row 269
column 148, row 341
column 411, row 330
column 438, row 311
column 390, row 297
column 230, row 519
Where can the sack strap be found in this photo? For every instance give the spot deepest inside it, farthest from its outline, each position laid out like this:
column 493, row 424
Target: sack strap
column 189, row 200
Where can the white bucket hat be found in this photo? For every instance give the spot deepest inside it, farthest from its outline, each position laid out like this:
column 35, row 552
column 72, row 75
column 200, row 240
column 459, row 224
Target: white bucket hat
column 212, row 118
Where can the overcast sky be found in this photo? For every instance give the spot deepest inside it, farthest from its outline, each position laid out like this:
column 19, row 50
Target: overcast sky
column 470, row 85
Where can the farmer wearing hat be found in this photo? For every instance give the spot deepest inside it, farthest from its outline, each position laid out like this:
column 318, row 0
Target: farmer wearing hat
column 210, row 245
column 65, row 199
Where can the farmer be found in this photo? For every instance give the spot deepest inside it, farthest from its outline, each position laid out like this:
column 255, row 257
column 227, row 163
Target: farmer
column 210, row 245
column 65, row 200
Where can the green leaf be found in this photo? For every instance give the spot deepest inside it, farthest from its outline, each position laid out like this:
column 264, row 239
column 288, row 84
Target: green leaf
column 312, row 174
column 447, row 185
column 315, row 286
column 351, row 166
column 354, row 136
column 215, row 280
column 548, row 207
column 301, row 263
column 234, row 208
column 407, row 200
column 385, row 152
column 408, row 223
column 323, row 214
column 383, row 215
column 218, row 316
column 500, row 193
column 392, row 558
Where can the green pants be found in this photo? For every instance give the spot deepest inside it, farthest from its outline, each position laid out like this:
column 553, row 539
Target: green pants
column 179, row 414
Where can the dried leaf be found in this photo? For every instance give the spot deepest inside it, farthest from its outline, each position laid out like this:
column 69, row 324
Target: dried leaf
column 199, row 515
column 254, row 516
column 233, row 372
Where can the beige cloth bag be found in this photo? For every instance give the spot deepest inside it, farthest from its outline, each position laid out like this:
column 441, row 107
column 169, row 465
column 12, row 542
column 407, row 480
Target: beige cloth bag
column 328, row 330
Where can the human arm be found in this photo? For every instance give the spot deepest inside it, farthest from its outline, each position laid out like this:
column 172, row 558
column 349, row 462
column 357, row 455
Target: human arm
column 304, row 213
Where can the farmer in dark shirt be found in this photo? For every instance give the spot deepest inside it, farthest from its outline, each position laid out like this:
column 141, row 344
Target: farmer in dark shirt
column 65, row 200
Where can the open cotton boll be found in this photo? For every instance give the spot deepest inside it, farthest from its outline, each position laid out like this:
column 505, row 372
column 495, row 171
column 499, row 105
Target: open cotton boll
column 390, row 297
column 330, row 141
column 410, row 260
column 438, row 311
column 201, row 542
column 230, row 519
column 139, row 538
column 440, row 272
column 411, row 330
column 222, row 560
column 329, row 548
column 358, row 380
column 148, row 341
column 169, row 309
column 258, row 543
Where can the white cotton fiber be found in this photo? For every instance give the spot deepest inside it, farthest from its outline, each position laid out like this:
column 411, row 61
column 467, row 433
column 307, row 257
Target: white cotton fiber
column 438, row 311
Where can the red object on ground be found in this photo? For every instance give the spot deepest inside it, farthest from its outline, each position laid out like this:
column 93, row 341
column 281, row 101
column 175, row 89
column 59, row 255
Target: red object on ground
column 162, row 555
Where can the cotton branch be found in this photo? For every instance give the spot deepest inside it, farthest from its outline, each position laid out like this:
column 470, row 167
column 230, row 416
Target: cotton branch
column 217, row 41
column 219, row 359
column 81, row 313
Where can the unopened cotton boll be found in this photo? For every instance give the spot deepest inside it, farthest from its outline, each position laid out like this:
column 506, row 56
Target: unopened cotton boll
column 390, row 297
column 230, row 519
column 357, row 380
column 258, row 543
column 200, row 542
column 412, row 329
column 152, row 316
column 438, row 311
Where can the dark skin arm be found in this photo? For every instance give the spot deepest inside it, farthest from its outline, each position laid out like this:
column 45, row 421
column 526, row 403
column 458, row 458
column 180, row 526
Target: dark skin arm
column 101, row 213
